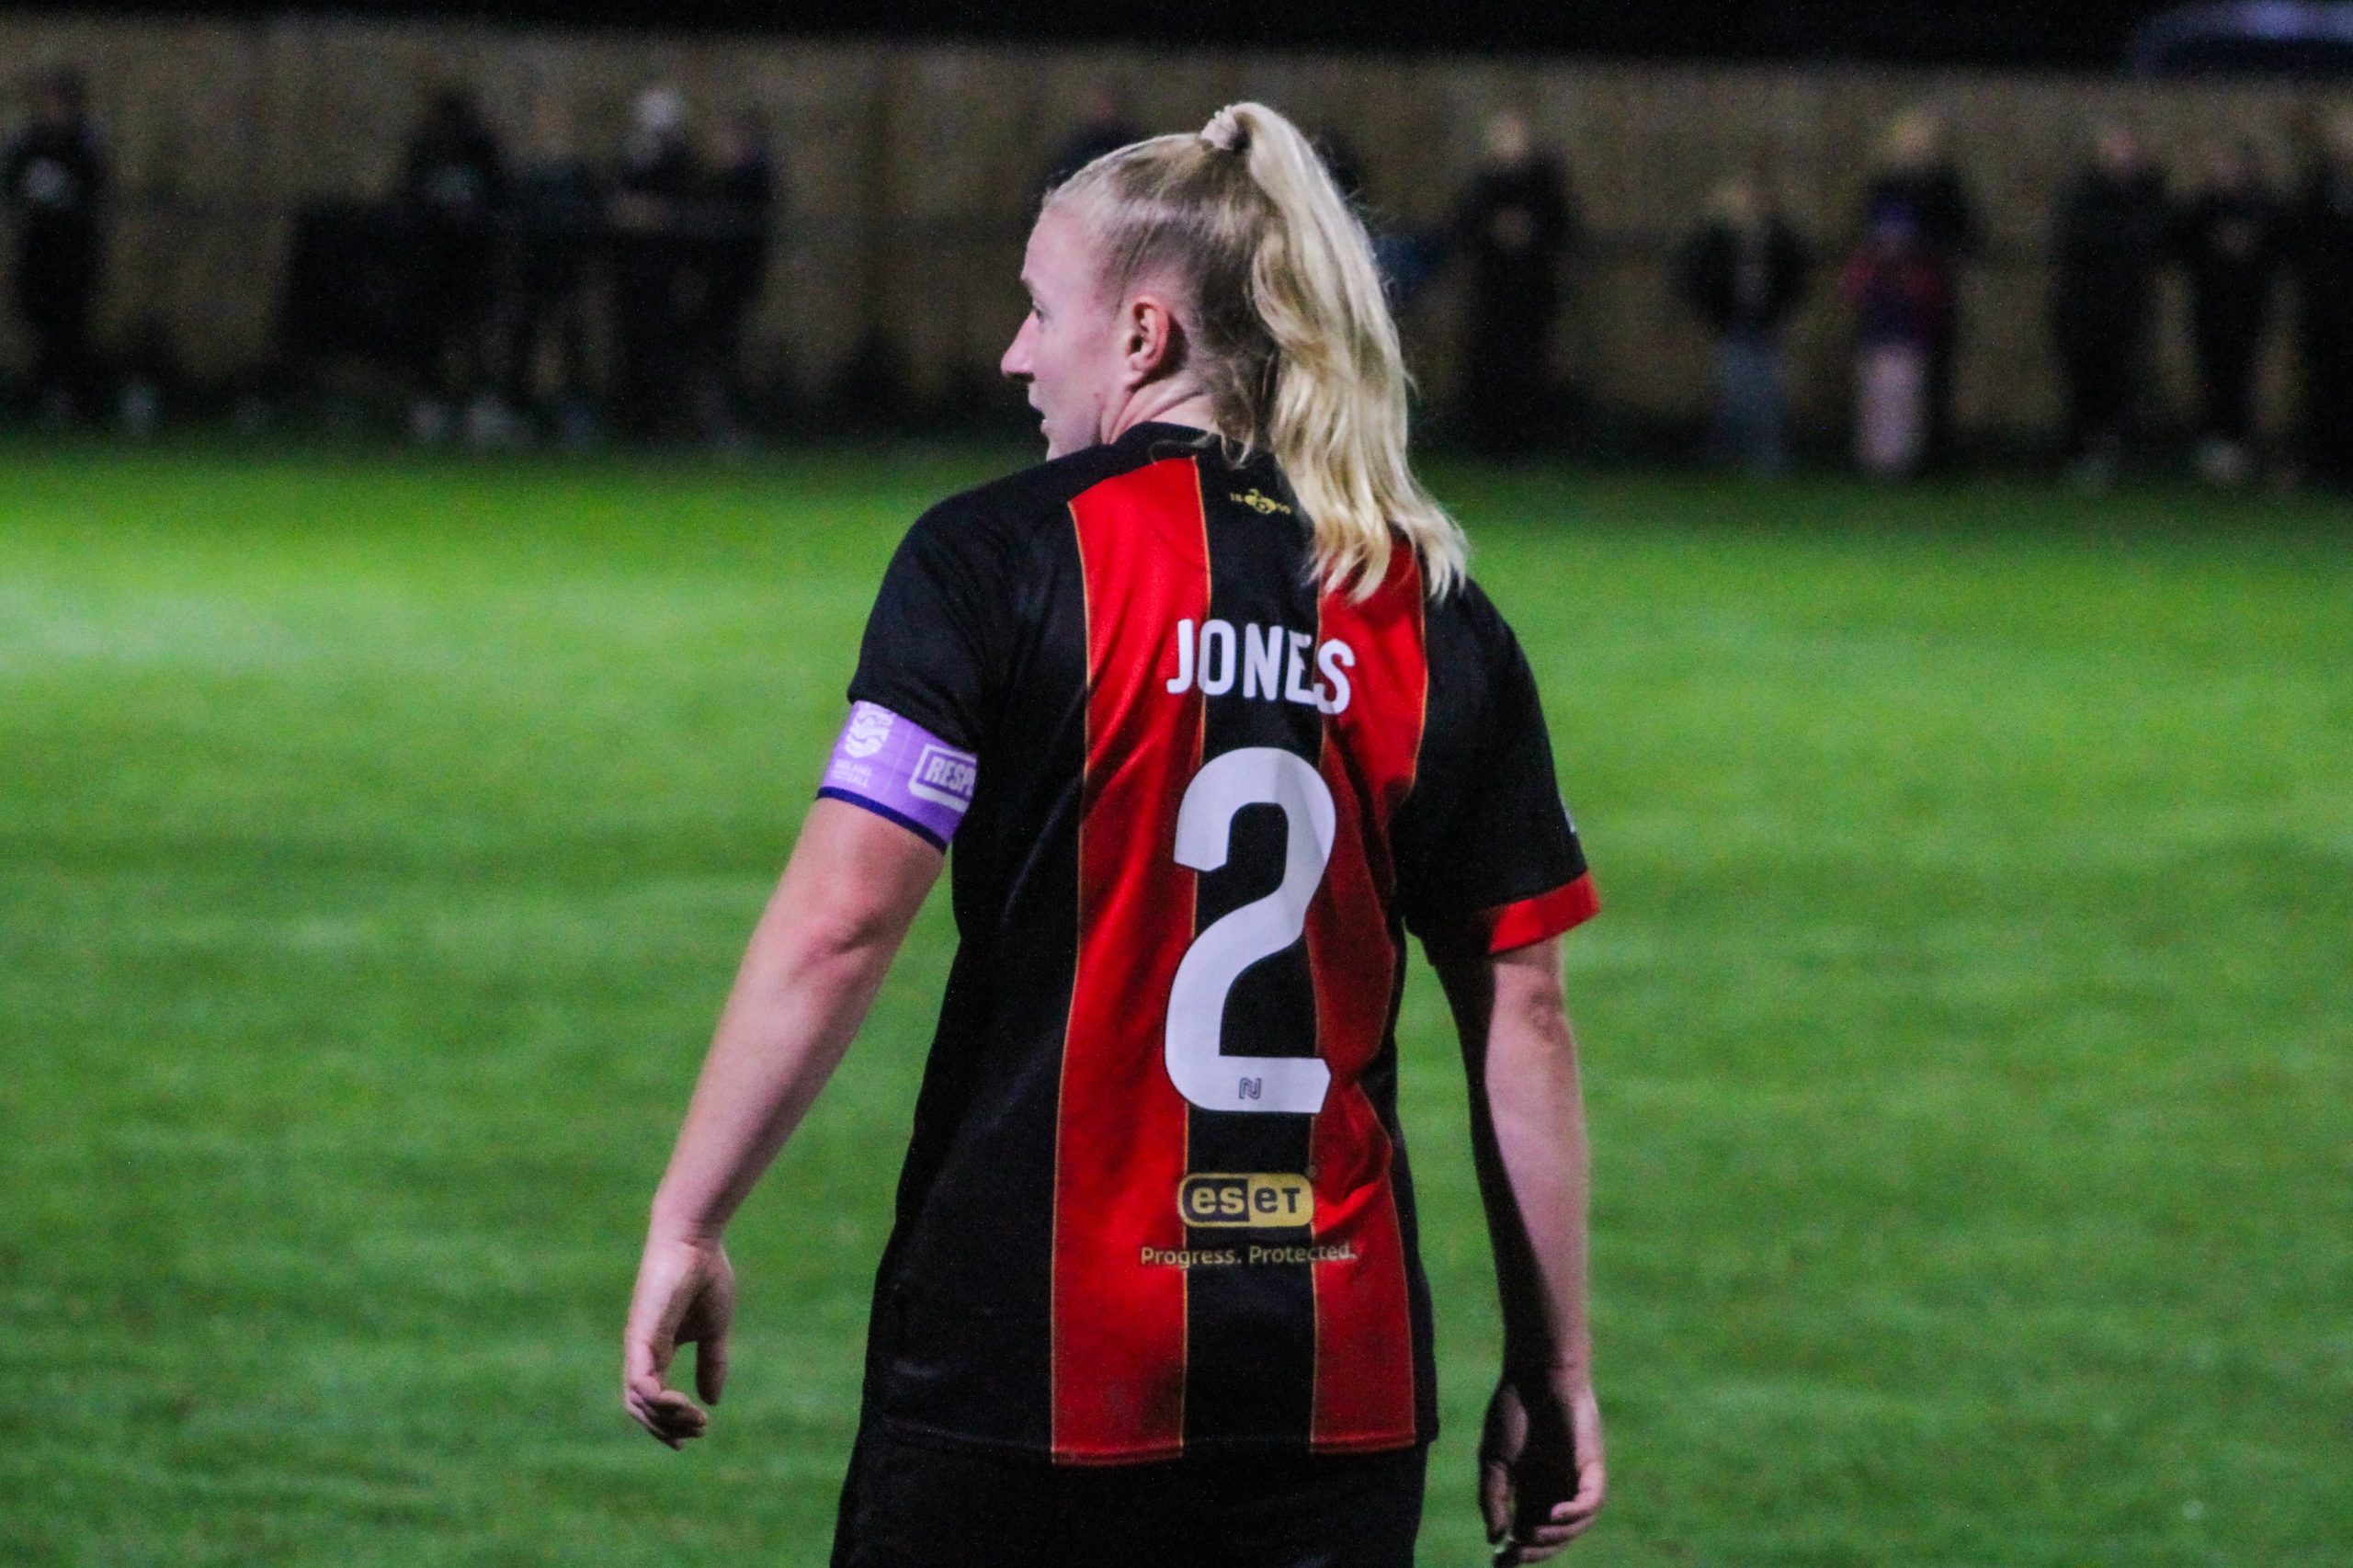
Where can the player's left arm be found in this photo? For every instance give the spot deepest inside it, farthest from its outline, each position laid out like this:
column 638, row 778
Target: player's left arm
column 851, row 890
column 1542, row 1479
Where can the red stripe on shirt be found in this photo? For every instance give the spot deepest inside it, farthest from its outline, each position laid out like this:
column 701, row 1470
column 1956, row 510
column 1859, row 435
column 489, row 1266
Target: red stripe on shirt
column 1509, row 925
column 1364, row 1341
column 1120, row 1141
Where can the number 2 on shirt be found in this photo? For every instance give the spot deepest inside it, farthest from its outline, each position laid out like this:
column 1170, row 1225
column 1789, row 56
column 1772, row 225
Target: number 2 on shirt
column 1198, row 1064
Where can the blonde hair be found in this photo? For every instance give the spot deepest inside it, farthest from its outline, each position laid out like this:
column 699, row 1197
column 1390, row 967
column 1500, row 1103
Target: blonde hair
column 1297, row 349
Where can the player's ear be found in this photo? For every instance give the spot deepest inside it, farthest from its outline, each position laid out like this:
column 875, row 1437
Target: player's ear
column 1153, row 339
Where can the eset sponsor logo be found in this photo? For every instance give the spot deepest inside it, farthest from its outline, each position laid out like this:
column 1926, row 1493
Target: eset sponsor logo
column 1245, row 1200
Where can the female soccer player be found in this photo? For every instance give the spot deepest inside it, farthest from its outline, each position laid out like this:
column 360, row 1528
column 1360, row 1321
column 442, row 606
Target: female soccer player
column 1213, row 717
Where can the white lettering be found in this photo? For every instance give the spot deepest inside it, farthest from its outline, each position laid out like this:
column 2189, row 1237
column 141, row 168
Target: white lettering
column 1272, row 662
column 1193, row 1042
column 1262, row 655
column 869, row 726
column 1329, row 659
column 1217, row 643
column 1295, row 686
column 950, row 773
column 1183, row 679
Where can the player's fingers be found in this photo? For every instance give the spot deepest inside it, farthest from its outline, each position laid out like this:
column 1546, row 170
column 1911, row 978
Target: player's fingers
column 680, row 1420
column 1561, row 1524
column 668, row 1414
column 647, row 1388
column 711, row 1365
column 1558, row 1533
column 1550, row 1536
column 1494, row 1498
column 653, row 1429
column 647, row 1417
column 1593, row 1490
column 662, row 1402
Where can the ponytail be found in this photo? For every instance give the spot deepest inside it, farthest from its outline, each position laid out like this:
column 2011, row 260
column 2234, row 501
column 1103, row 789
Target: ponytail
column 1299, row 353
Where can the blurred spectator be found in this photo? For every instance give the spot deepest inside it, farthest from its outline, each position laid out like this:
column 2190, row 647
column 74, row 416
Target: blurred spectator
column 657, row 289
column 1105, row 127
column 553, row 220
column 1916, row 181
column 2227, row 239
column 149, row 364
column 1897, row 289
column 2323, row 270
column 1516, row 222
column 2108, row 240
column 739, row 193
column 454, row 179
column 54, row 181
column 1744, row 270
column 1405, row 257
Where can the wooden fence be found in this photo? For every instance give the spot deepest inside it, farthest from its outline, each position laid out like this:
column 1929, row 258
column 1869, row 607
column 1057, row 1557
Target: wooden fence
column 911, row 169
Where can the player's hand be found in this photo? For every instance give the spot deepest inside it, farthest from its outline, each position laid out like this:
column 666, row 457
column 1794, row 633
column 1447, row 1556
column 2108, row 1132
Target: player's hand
column 1541, row 1476
column 686, row 1295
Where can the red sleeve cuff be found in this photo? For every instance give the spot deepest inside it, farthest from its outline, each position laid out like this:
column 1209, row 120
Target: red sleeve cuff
column 1509, row 925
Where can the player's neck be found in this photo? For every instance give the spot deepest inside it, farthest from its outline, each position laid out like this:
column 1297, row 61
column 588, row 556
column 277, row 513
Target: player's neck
column 1162, row 405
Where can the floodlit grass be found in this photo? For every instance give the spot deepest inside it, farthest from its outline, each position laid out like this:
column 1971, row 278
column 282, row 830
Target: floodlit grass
column 1967, row 1036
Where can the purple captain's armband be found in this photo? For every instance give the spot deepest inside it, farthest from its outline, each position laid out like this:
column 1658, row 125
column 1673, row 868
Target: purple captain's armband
column 896, row 768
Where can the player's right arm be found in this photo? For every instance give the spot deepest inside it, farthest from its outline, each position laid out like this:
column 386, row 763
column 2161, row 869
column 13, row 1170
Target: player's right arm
column 850, row 892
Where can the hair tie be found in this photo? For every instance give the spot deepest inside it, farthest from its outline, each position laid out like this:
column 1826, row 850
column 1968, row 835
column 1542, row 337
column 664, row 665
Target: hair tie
column 1226, row 132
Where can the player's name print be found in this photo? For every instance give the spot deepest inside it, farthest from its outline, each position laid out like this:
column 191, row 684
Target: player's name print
column 1267, row 662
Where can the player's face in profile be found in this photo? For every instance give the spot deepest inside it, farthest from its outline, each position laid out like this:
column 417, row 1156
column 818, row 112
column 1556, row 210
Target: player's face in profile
column 1068, row 350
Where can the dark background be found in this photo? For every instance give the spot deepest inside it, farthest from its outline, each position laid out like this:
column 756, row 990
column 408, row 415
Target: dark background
column 2076, row 35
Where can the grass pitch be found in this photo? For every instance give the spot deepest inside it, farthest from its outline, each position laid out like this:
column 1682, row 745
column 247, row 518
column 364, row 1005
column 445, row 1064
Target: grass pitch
column 1966, row 1035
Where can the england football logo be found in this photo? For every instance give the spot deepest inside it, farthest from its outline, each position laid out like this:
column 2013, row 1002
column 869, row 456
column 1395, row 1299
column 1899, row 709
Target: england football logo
column 869, row 727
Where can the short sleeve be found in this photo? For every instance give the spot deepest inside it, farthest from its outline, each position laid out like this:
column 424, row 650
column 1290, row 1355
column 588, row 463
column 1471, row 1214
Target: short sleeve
column 1507, row 869
column 938, row 640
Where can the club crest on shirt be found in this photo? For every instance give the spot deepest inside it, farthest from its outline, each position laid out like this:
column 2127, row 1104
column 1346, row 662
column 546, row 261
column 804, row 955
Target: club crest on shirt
column 869, row 727
column 1258, row 501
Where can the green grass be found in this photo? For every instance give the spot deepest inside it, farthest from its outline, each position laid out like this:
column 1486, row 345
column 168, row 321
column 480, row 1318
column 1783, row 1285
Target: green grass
column 1967, row 1036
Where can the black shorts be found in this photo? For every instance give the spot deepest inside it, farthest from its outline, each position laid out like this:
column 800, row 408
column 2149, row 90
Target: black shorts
column 909, row 1506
